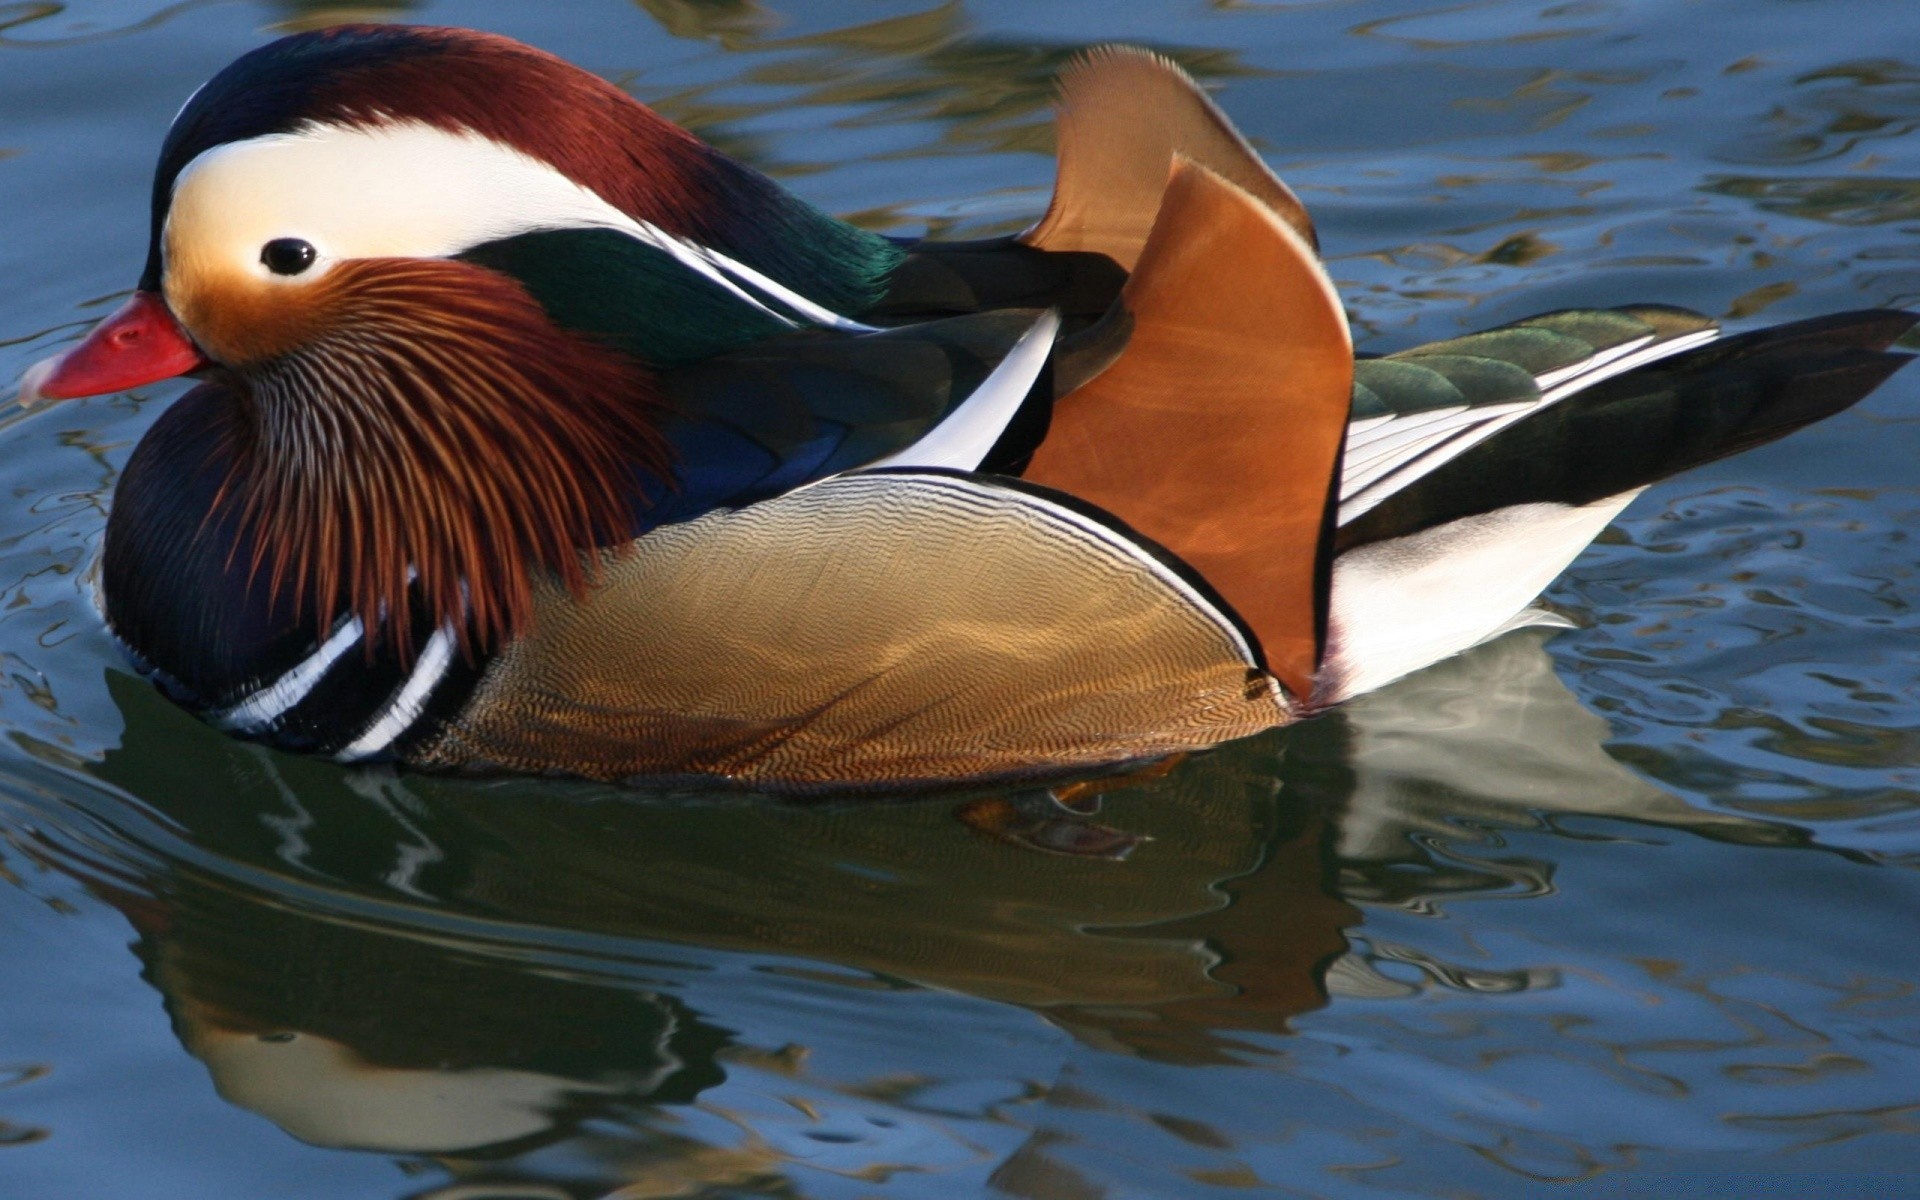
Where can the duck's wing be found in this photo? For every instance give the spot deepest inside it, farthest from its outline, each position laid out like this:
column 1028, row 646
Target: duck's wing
column 1417, row 410
column 1450, row 559
column 1123, row 116
column 1217, row 431
column 874, row 630
column 944, row 278
column 960, row 393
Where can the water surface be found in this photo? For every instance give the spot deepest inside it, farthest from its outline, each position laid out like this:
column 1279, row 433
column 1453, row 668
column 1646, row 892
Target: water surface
column 1627, row 911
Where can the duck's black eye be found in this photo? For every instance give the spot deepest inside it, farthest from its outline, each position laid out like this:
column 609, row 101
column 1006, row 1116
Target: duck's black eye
column 287, row 256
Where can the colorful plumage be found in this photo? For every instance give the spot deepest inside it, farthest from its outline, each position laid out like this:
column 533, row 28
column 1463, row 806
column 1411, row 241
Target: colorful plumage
column 537, row 435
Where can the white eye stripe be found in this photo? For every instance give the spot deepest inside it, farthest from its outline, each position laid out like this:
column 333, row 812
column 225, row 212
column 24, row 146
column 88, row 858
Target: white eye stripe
column 405, row 189
column 411, row 190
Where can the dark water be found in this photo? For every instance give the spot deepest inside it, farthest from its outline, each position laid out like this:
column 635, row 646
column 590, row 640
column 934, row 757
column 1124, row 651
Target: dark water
column 1627, row 912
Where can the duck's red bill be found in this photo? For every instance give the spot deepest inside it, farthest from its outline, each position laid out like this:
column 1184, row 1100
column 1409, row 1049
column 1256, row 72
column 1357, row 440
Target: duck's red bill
column 140, row 343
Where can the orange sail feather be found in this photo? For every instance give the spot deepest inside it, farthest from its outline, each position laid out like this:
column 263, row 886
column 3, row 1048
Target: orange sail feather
column 1218, row 431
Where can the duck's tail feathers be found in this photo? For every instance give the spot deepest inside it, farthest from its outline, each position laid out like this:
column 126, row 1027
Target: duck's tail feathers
column 1638, row 428
column 1123, row 114
column 1217, row 431
column 1416, row 410
column 1446, row 561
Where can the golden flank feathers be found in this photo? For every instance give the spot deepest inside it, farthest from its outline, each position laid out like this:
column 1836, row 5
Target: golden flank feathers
column 1218, row 431
column 1124, row 113
column 872, row 630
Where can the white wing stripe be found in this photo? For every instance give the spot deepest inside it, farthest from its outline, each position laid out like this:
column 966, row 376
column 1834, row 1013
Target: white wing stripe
column 1616, row 366
column 962, row 440
column 1384, row 456
column 1366, row 474
column 1621, row 366
column 1418, row 428
column 1361, row 491
column 1592, row 363
column 1411, row 421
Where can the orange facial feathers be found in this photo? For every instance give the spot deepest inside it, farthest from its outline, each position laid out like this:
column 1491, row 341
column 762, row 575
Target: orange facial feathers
column 461, row 441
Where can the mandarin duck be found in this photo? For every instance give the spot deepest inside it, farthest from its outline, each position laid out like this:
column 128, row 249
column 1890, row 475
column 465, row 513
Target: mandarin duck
column 536, row 435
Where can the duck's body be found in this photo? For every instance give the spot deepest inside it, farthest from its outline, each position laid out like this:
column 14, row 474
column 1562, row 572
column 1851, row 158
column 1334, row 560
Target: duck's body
column 540, row 436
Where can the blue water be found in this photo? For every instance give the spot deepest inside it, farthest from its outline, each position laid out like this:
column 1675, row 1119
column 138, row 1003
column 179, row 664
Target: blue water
column 1625, row 912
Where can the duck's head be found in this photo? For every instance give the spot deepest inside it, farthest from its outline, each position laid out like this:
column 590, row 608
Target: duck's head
column 436, row 267
column 313, row 167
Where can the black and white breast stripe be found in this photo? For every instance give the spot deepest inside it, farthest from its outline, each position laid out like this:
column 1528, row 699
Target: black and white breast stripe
column 396, row 718
column 334, row 702
column 262, row 710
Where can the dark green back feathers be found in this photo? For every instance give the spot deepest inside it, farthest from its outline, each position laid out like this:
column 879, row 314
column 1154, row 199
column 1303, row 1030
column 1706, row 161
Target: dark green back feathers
column 1503, row 365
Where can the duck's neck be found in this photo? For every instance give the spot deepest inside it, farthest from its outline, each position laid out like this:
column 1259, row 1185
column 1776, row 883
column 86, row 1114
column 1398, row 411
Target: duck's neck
column 750, row 218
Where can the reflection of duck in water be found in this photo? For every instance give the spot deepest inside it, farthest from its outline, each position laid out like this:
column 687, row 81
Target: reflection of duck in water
column 1496, row 736
column 1433, row 769
column 541, row 436
column 349, row 1035
column 556, row 951
column 438, row 966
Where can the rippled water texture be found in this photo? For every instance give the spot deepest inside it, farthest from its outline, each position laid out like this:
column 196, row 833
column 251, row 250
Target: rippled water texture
column 1630, row 911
